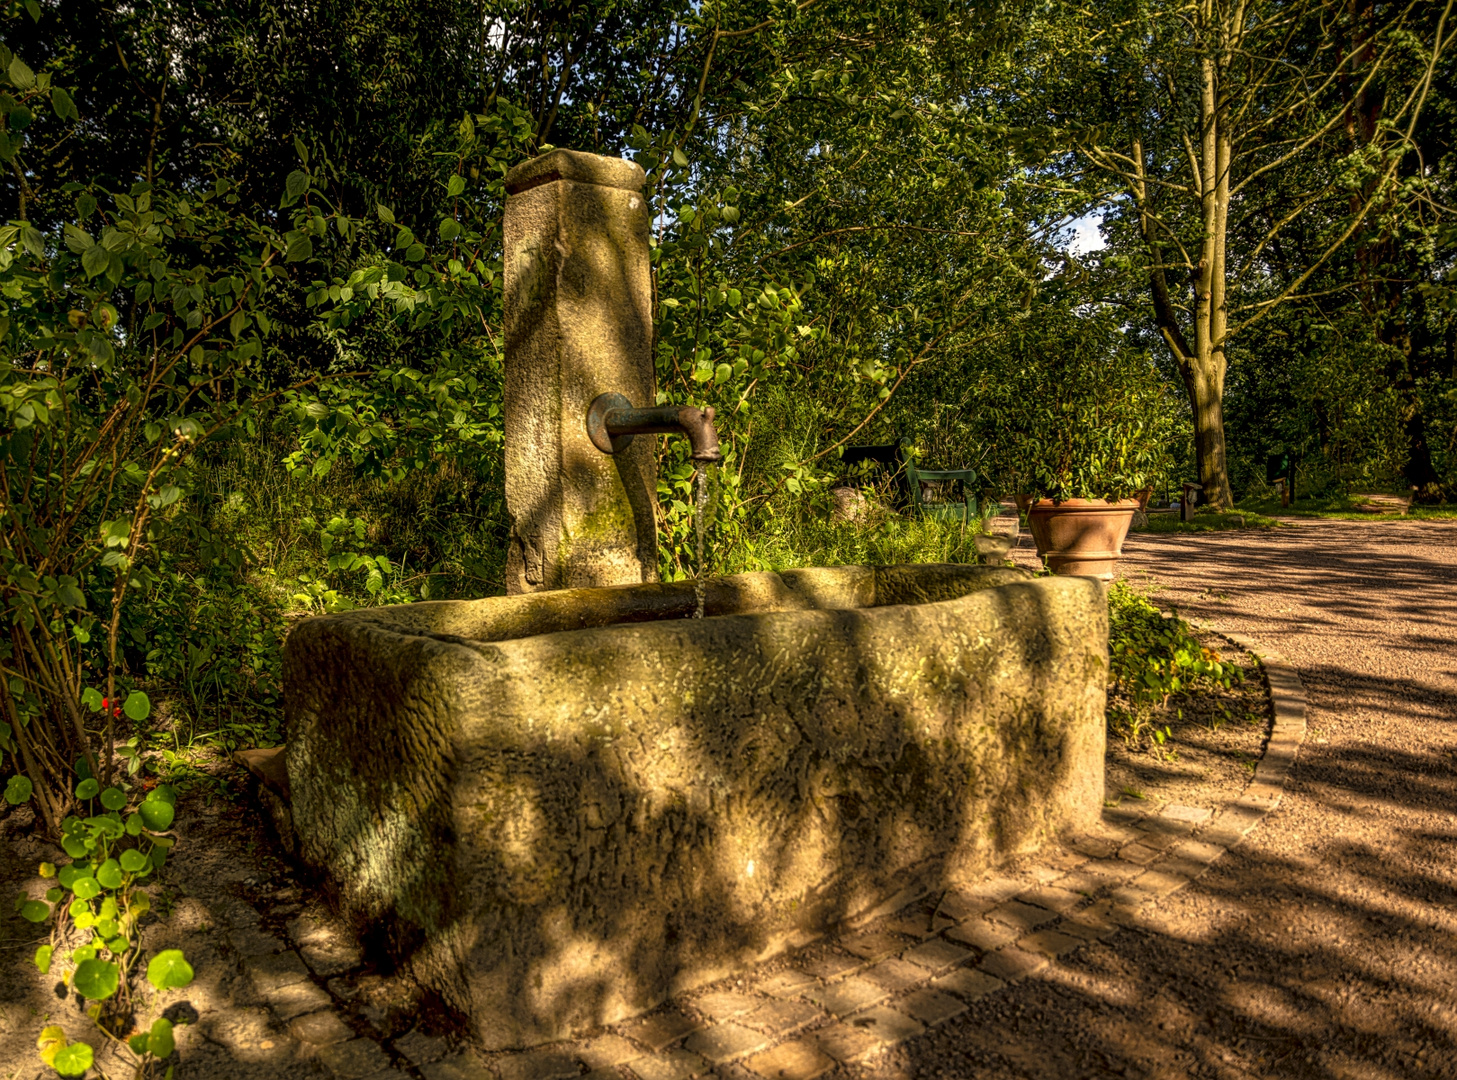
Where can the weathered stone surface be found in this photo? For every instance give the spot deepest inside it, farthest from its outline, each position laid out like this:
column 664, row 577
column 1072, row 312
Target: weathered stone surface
column 579, row 323
column 656, row 1032
column 725, row 1042
column 931, row 1007
column 671, row 1065
column 937, row 955
column 462, row 1066
column 791, row 1061
column 298, row 998
column 321, row 1028
column 354, row 1059
column 548, row 1063
column 559, row 831
column 967, row 984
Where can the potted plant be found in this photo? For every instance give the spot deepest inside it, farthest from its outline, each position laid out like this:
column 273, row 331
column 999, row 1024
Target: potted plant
column 1086, row 425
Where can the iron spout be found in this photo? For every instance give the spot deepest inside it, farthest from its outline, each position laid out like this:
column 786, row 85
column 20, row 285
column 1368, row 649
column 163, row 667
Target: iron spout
column 612, row 421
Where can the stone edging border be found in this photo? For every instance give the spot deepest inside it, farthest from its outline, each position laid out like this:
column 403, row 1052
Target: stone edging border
column 885, row 981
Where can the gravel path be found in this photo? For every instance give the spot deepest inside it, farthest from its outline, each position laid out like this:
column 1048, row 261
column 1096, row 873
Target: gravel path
column 1326, row 944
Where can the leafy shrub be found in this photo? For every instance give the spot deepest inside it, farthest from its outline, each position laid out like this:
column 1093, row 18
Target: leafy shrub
column 1151, row 658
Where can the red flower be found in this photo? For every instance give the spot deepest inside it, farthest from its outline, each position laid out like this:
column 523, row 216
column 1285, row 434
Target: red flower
column 104, row 703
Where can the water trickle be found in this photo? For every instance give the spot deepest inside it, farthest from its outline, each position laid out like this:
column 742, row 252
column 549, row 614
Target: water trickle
column 700, row 507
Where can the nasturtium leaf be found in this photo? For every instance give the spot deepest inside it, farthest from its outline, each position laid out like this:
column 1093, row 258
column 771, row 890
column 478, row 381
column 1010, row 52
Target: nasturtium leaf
column 47, row 870
column 156, row 815
column 134, row 824
column 96, row 980
column 51, row 1041
column 55, row 895
column 169, row 970
column 43, row 958
column 74, row 846
column 113, row 798
column 85, row 888
column 133, row 861
column 161, row 1043
column 92, row 699
column 118, row 945
column 73, row 1060
column 139, row 1042
column 108, row 874
column 87, row 788
column 79, row 910
column 137, row 706
column 18, row 790
column 68, row 875
column 35, row 910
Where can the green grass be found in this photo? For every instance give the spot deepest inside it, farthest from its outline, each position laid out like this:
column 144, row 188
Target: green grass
column 1206, row 521
column 1341, row 507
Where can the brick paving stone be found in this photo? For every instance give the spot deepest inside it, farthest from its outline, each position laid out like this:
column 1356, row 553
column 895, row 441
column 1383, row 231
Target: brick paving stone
column 1052, row 897
column 462, row 1066
column 1095, row 847
column 937, row 955
column 969, row 985
column 1019, row 916
column 1112, row 869
column 657, row 1031
column 605, row 1051
column 726, row 1004
column 548, row 1063
column 1197, row 850
column 355, row 1059
column 248, row 941
column 1195, row 814
column 1138, row 853
column 418, row 1048
column 725, row 1042
column 271, row 973
column 930, row 1007
column 1012, row 963
column 794, row 1060
column 873, row 946
column 780, row 1018
column 298, row 998
column 996, row 889
column 388, row 1074
column 833, row 966
column 917, row 924
column 1155, row 884
column 1051, row 943
column 845, row 1042
column 983, row 935
column 670, row 1065
column 320, row 1028
column 1188, row 868
column 958, row 904
column 887, row 1025
column 895, row 975
column 786, row 984
column 1081, row 882
column 850, row 996
column 1043, row 874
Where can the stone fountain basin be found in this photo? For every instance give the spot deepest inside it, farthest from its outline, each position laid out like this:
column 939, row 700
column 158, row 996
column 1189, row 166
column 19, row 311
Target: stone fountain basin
column 559, row 809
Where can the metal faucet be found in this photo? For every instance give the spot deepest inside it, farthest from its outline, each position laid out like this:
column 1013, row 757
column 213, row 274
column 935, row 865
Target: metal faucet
column 612, row 422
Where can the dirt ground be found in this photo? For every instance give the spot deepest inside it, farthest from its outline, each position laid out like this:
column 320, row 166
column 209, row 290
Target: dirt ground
column 1325, row 945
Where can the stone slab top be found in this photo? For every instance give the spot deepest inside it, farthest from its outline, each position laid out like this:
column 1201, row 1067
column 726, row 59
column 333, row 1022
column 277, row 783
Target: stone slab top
column 578, row 167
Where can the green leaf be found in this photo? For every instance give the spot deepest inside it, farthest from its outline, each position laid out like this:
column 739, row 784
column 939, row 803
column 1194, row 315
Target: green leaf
column 96, row 260
column 679, row 158
column 20, row 74
column 92, row 699
column 137, row 706
column 385, row 213
column 169, row 970
column 85, row 887
column 73, row 1060
column 63, row 104
column 43, row 958
column 133, row 861
column 108, row 874
column 96, row 980
column 163, row 793
column 297, row 183
column 113, row 798
column 18, row 790
column 455, row 186
column 139, row 1043
column 35, row 910
column 160, row 1043
column 88, row 788
column 134, row 824
column 156, row 816
column 299, row 249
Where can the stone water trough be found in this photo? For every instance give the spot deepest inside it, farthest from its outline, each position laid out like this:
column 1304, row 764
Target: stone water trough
column 558, row 807
column 557, row 814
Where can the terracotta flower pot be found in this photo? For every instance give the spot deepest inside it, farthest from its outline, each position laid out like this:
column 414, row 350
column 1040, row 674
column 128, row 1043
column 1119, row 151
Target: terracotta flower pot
column 1142, row 497
column 1081, row 537
column 1023, row 502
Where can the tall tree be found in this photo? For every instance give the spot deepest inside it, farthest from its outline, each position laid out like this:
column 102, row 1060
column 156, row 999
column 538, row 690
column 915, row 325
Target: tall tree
column 1190, row 118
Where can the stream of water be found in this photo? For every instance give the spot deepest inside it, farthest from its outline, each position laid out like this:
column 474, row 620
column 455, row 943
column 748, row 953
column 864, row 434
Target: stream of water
column 700, row 526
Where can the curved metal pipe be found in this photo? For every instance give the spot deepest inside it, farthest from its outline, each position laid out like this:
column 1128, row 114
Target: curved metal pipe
column 612, row 421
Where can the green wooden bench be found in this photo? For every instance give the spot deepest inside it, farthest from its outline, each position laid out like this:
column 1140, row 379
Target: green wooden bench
column 965, row 511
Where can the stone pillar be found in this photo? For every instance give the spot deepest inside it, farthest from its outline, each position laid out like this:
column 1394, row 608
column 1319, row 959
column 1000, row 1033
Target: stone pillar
column 579, row 322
